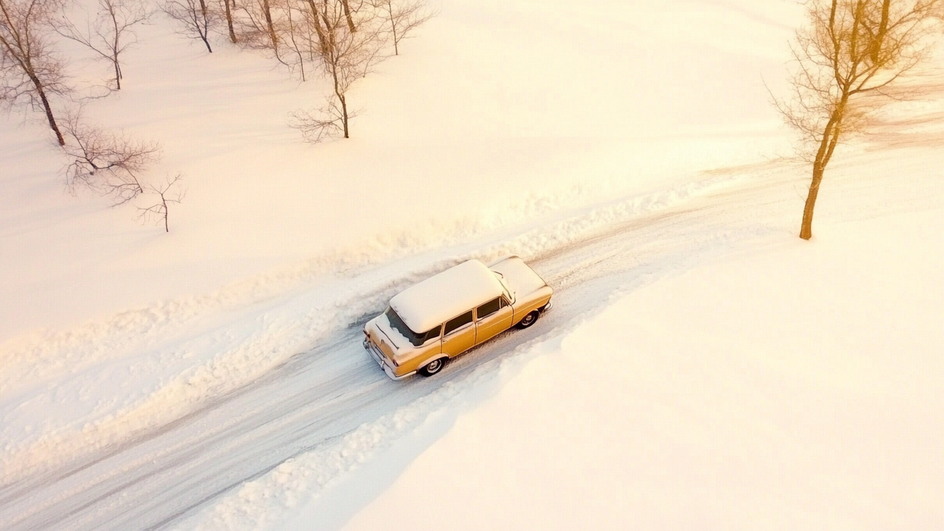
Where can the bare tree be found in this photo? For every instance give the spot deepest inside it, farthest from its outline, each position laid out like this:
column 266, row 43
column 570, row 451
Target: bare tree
column 167, row 193
column 195, row 16
column 318, row 125
column 403, row 16
column 112, row 31
column 294, row 29
column 30, row 70
column 345, row 57
column 104, row 162
column 846, row 60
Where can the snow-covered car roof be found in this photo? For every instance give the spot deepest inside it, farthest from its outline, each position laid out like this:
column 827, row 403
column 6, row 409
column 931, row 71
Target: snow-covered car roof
column 446, row 295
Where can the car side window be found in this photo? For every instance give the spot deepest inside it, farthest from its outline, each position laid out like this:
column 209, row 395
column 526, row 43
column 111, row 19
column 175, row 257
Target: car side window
column 432, row 334
column 489, row 308
column 453, row 324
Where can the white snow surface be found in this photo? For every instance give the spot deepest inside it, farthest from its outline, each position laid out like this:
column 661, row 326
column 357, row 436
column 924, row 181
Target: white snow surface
column 445, row 295
column 701, row 367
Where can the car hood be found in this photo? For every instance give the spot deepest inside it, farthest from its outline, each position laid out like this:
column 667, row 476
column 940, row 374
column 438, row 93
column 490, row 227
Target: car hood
column 520, row 278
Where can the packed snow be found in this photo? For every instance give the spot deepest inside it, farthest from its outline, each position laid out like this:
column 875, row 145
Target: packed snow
column 701, row 368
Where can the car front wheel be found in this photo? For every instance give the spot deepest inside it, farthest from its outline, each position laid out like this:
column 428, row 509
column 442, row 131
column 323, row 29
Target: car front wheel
column 529, row 319
column 433, row 367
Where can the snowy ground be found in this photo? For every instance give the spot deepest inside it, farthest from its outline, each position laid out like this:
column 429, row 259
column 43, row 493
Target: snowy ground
column 702, row 367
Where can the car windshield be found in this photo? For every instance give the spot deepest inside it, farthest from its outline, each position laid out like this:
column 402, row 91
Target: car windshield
column 416, row 339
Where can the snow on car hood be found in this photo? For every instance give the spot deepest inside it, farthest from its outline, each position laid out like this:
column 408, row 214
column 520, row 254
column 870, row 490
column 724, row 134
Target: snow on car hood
column 519, row 277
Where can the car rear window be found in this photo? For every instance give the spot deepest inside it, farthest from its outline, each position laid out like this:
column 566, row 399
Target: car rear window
column 413, row 337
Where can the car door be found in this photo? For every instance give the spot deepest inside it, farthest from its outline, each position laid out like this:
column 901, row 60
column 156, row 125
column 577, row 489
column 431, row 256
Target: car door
column 492, row 318
column 458, row 334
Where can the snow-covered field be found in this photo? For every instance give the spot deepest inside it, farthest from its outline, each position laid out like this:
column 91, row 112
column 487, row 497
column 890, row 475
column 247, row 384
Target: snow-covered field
column 702, row 366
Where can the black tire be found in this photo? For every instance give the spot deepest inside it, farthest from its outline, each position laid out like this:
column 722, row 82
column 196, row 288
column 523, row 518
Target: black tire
column 529, row 319
column 433, row 367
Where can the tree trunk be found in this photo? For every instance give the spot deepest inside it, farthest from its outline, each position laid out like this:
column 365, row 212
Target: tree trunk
column 347, row 15
column 273, row 36
column 316, row 19
column 393, row 26
column 115, row 43
column 340, row 94
column 344, row 115
column 48, row 109
column 229, row 21
column 806, row 228
column 166, row 214
column 205, row 32
column 827, row 146
column 396, row 38
column 876, row 49
column 117, row 73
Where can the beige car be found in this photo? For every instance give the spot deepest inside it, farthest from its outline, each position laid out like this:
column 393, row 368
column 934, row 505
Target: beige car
column 443, row 316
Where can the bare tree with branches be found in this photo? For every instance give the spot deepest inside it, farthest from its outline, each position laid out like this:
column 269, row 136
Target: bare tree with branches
column 320, row 124
column 166, row 194
column 30, row 70
column 104, row 162
column 297, row 39
column 345, row 57
column 110, row 33
column 195, row 16
column 403, row 16
column 846, row 60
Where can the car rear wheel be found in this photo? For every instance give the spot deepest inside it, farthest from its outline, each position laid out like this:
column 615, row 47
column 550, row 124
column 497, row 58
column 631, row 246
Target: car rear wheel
column 433, row 367
column 529, row 319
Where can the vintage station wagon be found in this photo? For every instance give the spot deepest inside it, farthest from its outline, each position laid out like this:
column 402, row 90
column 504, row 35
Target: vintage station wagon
column 443, row 316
